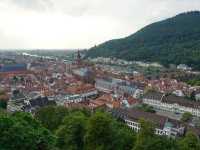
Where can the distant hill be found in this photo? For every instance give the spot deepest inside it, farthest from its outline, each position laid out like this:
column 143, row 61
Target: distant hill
column 172, row 41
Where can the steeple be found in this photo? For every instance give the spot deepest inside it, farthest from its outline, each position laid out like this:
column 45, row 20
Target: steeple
column 78, row 59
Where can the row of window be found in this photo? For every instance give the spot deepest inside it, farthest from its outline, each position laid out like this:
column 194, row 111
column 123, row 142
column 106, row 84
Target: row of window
column 172, row 107
column 136, row 128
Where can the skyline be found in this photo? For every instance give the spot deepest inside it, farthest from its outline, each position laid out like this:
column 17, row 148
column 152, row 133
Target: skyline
column 49, row 24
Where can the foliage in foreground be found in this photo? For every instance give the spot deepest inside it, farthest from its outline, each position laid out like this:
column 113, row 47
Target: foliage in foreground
column 3, row 100
column 21, row 132
column 81, row 130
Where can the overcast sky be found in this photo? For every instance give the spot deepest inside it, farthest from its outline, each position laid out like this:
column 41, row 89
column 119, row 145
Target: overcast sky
column 79, row 23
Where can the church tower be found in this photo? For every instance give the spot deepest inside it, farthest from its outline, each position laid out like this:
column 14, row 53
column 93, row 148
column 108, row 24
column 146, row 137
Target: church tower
column 78, row 59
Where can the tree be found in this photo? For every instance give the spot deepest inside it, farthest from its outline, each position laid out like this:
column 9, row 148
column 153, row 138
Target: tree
column 15, row 79
column 99, row 132
column 72, row 131
column 3, row 104
column 146, row 108
column 147, row 140
column 166, row 42
column 123, row 138
column 190, row 142
column 21, row 131
column 3, row 100
column 145, row 135
column 186, row 117
column 51, row 117
column 3, row 112
column 193, row 96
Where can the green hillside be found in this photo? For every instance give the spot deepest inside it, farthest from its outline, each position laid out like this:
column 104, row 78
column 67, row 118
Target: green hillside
column 175, row 40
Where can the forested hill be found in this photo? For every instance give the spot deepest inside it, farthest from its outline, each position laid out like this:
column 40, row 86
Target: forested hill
column 172, row 41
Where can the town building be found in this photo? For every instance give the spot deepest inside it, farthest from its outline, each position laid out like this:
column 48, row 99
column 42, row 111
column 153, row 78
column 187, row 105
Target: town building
column 21, row 102
column 117, row 86
column 184, row 67
column 106, row 85
column 172, row 103
column 109, row 100
column 84, row 73
column 163, row 125
column 129, row 102
column 33, row 105
column 80, row 92
column 13, row 67
column 197, row 96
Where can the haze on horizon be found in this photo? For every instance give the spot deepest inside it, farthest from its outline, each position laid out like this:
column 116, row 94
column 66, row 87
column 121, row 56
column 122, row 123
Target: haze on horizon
column 72, row 24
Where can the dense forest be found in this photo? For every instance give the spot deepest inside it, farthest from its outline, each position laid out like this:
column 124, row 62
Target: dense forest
column 58, row 128
column 172, row 41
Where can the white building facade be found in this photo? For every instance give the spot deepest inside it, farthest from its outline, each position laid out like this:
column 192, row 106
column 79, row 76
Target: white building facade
column 173, row 104
column 166, row 131
column 118, row 86
column 164, row 126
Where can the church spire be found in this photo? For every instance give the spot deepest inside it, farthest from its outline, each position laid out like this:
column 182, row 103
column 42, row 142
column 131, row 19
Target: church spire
column 78, row 59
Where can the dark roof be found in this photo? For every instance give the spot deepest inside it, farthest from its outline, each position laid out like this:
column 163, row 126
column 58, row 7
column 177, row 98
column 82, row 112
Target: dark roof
column 38, row 103
column 135, row 115
column 18, row 96
column 13, row 67
column 41, row 101
column 106, row 79
column 181, row 101
column 153, row 95
column 172, row 99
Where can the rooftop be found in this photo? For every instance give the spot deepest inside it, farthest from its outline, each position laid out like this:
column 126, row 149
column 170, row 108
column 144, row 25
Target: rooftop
column 172, row 99
column 135, row 115
column 79, row 88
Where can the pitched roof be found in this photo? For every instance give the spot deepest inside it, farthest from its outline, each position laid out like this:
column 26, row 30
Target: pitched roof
column 181, row 101
column 135, row 115
column 80, row 88
column 133, row 101
column 153, row 95
column 41, row 101
column 172, row 99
